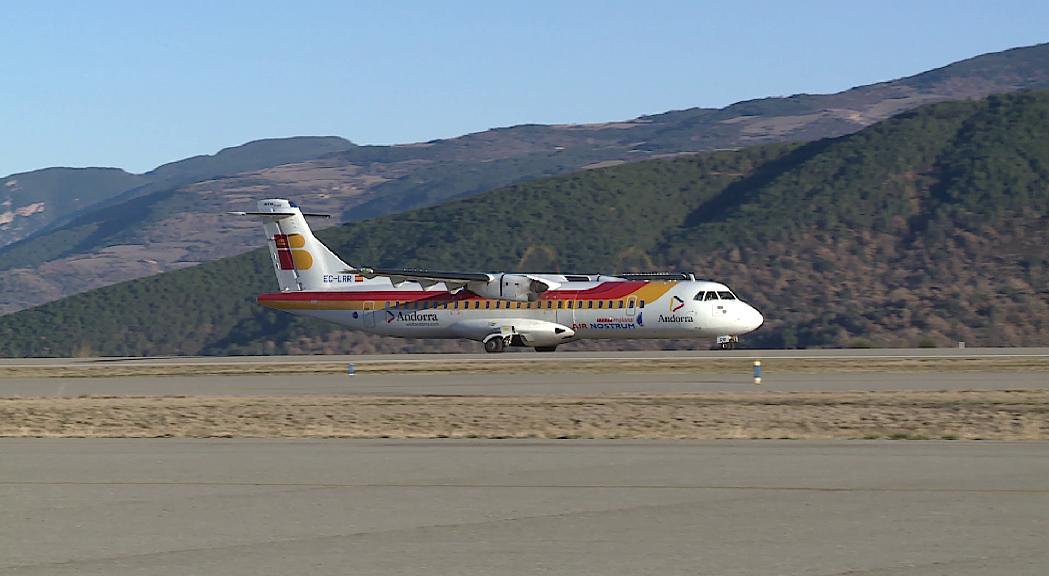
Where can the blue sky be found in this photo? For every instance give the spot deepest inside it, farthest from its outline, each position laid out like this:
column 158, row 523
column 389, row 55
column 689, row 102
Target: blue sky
column 137, row 84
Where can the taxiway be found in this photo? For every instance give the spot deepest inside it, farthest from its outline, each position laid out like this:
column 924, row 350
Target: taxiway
column 278, row 507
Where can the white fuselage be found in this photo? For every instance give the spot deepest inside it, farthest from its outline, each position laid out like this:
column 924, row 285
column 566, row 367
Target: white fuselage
column 607, row 307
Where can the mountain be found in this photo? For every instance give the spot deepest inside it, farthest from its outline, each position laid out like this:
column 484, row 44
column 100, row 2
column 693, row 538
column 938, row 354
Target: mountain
column 32, row 201
column 174, row 221
column 924, row 229
column 39, row 200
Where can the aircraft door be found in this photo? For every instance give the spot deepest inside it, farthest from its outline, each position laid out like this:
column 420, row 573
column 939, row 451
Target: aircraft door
column 369, row 315
column 566, row 316
column 717, row 307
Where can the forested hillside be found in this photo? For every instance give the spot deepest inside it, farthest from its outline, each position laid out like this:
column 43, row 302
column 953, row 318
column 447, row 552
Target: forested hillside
column 924, row 229
column 172, row 219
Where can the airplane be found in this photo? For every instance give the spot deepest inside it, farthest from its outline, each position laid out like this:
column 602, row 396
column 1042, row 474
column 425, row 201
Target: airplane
column 500, row 310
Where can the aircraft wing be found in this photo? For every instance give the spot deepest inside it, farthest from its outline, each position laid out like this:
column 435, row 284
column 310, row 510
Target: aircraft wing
column 425, row 278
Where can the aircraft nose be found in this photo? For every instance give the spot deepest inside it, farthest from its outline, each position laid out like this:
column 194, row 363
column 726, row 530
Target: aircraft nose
column 752, row 319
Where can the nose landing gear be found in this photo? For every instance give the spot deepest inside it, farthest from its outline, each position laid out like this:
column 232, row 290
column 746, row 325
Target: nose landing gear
column 727, row 342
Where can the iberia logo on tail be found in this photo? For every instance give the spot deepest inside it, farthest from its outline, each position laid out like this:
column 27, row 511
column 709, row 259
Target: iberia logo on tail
column 289, row 253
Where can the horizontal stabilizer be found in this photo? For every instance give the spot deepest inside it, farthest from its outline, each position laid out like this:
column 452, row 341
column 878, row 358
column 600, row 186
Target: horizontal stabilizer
column 412, row 274
column 280, row 214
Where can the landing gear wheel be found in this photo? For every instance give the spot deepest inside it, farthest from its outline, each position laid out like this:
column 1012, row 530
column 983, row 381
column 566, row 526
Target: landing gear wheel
column 494, row 345
column 546, row 348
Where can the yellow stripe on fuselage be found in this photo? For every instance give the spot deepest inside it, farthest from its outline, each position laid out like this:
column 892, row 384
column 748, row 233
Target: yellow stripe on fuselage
column 649, row 293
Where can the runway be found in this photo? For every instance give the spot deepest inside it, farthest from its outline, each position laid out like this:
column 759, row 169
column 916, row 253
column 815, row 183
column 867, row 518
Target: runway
column 569, row 357
column 551, row 384
column 479, row 507
column 574, row 373
column 265, row 507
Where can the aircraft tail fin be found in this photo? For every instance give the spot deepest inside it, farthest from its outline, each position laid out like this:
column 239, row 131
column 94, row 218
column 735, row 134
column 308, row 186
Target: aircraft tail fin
column 300, row 261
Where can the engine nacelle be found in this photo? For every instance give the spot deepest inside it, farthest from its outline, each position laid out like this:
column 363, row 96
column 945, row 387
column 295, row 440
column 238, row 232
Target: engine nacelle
column 540, row 333
column 514, row 287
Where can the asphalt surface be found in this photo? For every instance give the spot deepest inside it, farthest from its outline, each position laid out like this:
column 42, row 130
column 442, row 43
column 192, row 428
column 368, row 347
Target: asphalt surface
column 556, row 356
column 512, row 384
column 567, row 383
column 243, row 507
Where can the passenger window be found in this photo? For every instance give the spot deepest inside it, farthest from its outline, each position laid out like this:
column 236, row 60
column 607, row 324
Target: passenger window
column 455, row 305
column 444, row 305
column 549, row 304
column 611, row 304
column 560, row 304
column 600, row 303
column 727, row 295
column 642, row 304
column 487, row 304
column 620, row 304
column 589, row 304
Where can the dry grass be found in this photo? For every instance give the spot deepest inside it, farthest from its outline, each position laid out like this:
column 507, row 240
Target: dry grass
column 1000, row 415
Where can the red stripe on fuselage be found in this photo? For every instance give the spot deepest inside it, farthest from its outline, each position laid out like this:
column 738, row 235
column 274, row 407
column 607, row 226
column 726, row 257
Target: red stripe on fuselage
column 603, row 291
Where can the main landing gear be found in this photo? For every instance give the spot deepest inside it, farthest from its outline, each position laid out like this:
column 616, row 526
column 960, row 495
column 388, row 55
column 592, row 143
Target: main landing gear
column 495, row 344
column 546, row 348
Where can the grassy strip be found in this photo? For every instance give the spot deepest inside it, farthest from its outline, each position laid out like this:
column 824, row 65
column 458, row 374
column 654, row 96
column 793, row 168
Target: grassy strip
column 999, row 415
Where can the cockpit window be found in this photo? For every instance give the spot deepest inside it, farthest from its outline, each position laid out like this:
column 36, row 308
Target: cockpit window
column 727, row 295
column 711, row 296
column 700, row 296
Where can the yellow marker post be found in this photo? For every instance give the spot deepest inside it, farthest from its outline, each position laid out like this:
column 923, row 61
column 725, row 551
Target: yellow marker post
column 757, row 372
